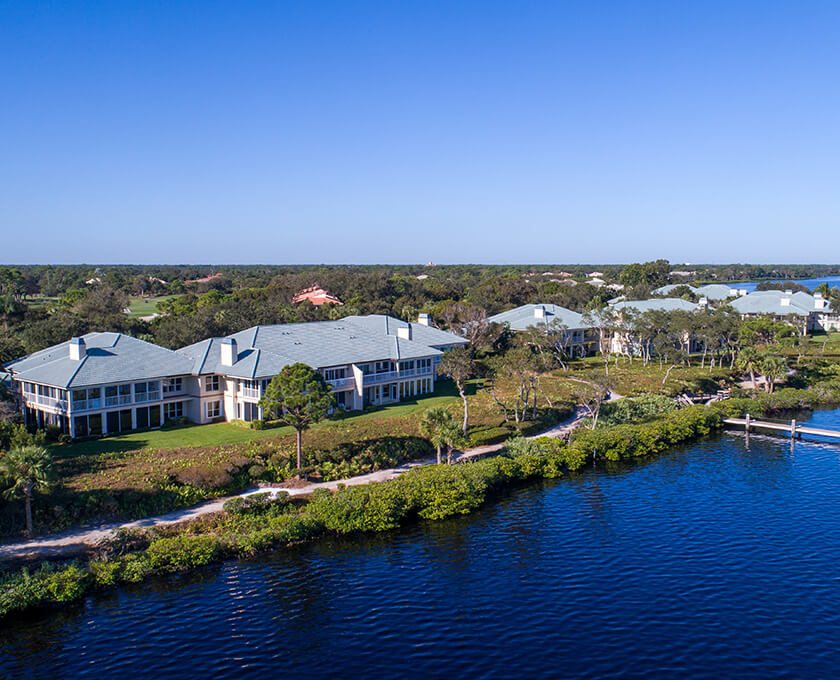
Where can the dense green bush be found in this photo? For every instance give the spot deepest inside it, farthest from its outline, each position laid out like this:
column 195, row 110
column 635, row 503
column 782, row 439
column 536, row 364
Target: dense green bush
column 488, row 435
column 635, row 409
column 628, row 441
column 48, row 585
column 183, row 552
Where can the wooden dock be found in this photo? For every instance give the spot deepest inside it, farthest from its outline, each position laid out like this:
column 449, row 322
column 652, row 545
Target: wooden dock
column 796, row 431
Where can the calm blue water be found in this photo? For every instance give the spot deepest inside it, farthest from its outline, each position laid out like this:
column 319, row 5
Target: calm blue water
column 710, row 561
column 811, row 283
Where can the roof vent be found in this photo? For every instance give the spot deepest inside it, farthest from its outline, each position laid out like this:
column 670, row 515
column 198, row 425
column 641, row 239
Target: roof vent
column 228, row 352
column 78, row 349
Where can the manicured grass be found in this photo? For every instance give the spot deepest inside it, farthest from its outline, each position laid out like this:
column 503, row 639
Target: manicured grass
column 222, row 434
column 140, row 306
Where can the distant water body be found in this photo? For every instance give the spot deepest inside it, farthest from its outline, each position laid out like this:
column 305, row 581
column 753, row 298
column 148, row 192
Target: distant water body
column 810, row 283
column 720, row 559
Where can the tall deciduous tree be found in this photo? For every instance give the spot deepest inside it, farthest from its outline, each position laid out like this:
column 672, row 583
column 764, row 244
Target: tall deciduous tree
column 457, row 364
column 26, row 469
column 298, row 396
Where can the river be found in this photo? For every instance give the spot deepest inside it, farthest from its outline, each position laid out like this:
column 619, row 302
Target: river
column 832, row 281
column 711, row 560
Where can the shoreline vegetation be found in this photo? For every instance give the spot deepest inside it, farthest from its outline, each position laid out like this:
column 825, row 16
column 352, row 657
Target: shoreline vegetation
column 256, row 524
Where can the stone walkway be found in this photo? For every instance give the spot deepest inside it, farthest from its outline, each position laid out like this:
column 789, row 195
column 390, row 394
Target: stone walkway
column 78, row 540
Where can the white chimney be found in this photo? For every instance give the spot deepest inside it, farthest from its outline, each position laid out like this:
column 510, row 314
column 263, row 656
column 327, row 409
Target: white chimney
column 703, row 301
column 424, row 320
column 404, row 332
column 229, row 354
column 785, row 302
column 78, row 349
column 789, row 292
column 539, row 312
column 742, row 292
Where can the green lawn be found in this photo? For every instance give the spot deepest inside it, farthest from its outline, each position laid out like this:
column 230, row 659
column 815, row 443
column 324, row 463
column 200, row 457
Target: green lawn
column 220, row 434
column 140, row 306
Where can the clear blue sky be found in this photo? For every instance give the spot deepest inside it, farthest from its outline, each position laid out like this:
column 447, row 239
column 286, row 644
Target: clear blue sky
column 384, row 132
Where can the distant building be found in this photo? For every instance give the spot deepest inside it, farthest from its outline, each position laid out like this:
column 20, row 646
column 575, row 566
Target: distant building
column 204, row 279
column 712, row 291
column 803, row 310
column 317, row 296
column 571, row 327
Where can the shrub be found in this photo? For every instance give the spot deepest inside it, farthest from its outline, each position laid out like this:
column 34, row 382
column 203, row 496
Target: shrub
column 183, row 552
column 234, row 506
column 488, row 435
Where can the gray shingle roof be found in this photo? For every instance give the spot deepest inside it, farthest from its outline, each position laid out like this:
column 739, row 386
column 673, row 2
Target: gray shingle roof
column 658, row 304
column 524, row 317
column 110, row 358
column 426, row 335
column 770, row 302
column 712, row 291
column 264, row 350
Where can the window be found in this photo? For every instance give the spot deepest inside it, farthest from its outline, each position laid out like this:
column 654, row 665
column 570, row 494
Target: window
column 172, row 385
column 407, row 365
column 335, row 373
column 214, row 409
column 211, row 383
column 173, row 410
column 384, row 366
column 140, row 391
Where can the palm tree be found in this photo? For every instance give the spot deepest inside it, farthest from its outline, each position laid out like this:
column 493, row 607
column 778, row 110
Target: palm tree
column 439, row 427
column 774, row 368
column 433, row 426
column 748, row 361
column 26, row 468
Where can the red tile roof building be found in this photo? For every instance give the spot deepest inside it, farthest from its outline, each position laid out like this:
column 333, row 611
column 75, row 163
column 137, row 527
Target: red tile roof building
column 317, row 296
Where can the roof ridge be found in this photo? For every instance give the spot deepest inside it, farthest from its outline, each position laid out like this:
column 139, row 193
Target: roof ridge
column 78, row 368
column 256, row 361
column 206, row 354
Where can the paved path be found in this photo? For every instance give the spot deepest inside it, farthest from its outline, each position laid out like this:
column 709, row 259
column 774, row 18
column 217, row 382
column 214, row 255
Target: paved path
column 78, row 540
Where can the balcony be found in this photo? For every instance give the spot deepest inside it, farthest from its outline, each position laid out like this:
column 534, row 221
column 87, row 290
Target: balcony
column 147, row 396
column 342, row 383
column 371, row 378
column 49, row 402
column 119, row 400
column 87, row 404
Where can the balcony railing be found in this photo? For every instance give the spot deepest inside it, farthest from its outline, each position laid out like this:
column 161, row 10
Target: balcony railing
column 147, row 396
column 86, row 404
column 250, row 393
column 342, row 383
column 50, row 402
column 118, row 400
column 381, row 377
